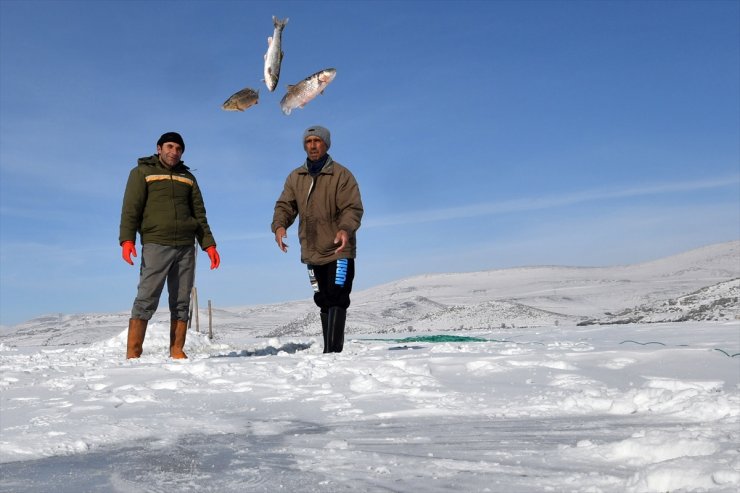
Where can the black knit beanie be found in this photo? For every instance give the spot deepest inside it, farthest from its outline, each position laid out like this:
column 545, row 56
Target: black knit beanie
column 172, row 137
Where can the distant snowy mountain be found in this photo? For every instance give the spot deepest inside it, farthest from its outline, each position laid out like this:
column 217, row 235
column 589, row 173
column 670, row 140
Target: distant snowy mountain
column 701, row 284
column 546, row 296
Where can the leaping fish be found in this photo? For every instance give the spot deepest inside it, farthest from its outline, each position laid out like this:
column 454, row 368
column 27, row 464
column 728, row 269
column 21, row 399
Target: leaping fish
column 241, row 100
column 274, row 55
column 300, row 94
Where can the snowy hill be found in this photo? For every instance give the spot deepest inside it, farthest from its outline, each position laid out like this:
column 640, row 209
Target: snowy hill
column 719, row 302
column 701, row 284
column 542, row 295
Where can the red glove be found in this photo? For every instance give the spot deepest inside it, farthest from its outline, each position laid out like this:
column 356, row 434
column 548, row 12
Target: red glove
column 128, row 249
column 214, row 256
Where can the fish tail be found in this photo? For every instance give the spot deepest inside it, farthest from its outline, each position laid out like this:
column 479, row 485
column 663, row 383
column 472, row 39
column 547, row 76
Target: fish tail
column 279, row 24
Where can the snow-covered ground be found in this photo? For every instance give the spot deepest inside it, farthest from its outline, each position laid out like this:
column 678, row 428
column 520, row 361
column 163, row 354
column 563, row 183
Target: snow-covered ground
column 504, row 402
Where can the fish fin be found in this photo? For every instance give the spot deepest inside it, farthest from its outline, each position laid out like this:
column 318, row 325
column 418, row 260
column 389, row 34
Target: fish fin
column 269, row 41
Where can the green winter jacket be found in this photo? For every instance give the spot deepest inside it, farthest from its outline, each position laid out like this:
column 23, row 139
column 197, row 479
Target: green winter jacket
column 164, row 206
column 327, row 203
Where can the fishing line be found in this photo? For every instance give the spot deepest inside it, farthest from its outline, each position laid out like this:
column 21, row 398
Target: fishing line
column 679, row 345
column 450, row 338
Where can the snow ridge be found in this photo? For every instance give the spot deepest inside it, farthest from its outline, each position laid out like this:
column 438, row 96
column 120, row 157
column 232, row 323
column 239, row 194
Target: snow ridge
column 697, row 285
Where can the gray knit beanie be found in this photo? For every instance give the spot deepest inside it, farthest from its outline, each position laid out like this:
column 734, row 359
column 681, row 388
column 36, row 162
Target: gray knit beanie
column 320, row 132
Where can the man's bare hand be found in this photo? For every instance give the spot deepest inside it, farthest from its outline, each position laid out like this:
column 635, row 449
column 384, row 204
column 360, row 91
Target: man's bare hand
column 280, row 233
column 342, row 238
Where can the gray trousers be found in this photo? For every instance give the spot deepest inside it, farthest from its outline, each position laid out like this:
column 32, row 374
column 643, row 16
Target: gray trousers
column 160, row 263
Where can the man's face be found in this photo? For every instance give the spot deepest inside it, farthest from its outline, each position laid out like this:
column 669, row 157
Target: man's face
column 169, row 153
column 315, row 147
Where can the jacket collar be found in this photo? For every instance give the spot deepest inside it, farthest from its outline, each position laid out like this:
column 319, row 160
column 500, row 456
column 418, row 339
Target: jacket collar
column 328, row 168
column 153, row 160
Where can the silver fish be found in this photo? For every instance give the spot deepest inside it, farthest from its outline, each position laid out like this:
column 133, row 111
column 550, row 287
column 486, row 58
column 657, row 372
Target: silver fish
column 303, row 92
column 241, row 100
column 274, row 55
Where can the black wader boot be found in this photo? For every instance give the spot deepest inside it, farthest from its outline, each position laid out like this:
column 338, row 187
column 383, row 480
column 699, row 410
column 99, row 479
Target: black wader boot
column 335, row 329
column 325, row 329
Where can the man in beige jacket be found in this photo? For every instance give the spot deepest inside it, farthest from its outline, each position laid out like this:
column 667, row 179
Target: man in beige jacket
column 324, row 195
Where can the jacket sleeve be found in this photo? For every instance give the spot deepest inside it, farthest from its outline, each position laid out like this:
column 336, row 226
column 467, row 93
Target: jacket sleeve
column 203, row 233
column 349, row 204
column 286, row 207
column 132, row 211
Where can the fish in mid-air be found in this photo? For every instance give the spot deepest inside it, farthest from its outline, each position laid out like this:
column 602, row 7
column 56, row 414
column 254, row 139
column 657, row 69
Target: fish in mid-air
column 241, row 100
column 303, row 92
column 274, row 55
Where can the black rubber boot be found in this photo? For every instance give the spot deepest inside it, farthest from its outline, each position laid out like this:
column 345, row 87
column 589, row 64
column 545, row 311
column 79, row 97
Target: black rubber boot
column 335, row 329
column 325, row 330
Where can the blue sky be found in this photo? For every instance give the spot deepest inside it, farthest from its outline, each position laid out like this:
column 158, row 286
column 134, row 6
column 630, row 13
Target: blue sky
column 484, row 135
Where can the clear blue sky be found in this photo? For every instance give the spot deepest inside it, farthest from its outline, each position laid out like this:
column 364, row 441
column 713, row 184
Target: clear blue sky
column 483, row 134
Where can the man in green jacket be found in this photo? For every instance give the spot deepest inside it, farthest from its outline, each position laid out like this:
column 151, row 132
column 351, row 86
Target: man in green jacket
column 164, row 205
column 326, row 198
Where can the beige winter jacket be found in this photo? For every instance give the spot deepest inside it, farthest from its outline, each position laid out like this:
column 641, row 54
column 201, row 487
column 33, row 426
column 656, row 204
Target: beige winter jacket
column 325, row 204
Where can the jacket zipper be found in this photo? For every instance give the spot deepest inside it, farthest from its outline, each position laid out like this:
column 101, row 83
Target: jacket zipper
column 310, row 190
column 174, row 204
